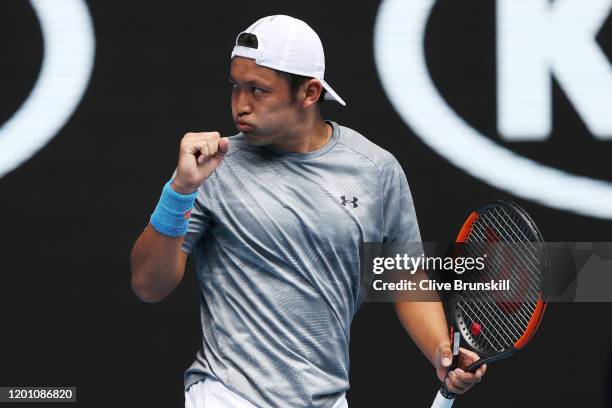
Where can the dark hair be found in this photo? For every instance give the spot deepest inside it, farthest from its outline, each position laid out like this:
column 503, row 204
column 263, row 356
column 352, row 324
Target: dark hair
column 295, row 81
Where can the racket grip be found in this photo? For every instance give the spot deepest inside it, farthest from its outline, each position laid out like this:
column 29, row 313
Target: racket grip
column 444, row 399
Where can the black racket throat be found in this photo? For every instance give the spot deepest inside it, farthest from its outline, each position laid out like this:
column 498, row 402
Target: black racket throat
column 488, row 360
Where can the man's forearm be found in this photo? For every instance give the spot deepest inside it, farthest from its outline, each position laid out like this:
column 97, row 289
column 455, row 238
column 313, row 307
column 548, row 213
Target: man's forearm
column 425, row 323
column 157, row 264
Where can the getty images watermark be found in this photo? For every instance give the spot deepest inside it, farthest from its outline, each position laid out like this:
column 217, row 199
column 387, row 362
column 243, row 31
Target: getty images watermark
column 575, row 271
column 411, row 264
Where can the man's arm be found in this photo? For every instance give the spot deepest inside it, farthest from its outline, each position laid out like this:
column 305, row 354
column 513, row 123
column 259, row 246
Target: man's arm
column 157, row 260
column 426, row 325
column 158, row 265
column 425, row 322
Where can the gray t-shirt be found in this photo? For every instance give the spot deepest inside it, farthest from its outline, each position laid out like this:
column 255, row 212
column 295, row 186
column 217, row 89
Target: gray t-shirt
column 276, row 238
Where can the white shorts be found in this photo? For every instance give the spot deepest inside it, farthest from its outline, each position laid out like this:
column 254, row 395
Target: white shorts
column 211, row 393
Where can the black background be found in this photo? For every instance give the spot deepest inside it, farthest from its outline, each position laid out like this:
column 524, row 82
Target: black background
column 70, row 214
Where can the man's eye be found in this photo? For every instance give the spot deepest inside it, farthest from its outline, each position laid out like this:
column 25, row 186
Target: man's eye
column 257, row 90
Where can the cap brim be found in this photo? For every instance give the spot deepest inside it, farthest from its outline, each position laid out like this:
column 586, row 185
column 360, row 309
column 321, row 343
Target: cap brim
column 331, row 95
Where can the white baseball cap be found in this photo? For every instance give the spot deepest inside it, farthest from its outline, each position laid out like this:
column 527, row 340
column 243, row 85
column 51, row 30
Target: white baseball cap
column 286, row 44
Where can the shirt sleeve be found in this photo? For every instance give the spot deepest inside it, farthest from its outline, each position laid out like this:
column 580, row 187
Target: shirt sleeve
column 399, row 215
column 198, row 224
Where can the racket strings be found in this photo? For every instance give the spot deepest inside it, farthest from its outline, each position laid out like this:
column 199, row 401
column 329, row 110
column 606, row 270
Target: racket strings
column 512, row 312
column 524, row 250
column 524, row 311
column 496, row 329
column 490, row 316
column 503, row 316
column 532, row 254
column 495, row 324
column 507, row 266
column 510, row 235
column 494, row 340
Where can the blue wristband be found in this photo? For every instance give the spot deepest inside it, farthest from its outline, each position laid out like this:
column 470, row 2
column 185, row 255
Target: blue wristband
column 171, row 216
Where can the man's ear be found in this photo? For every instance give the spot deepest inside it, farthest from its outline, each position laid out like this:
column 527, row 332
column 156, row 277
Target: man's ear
column 311, row 91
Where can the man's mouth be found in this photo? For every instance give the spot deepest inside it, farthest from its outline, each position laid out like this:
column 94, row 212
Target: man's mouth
column 244, row 126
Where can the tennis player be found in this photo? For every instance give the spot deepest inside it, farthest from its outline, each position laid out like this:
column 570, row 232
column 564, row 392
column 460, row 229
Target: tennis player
column 274, row 217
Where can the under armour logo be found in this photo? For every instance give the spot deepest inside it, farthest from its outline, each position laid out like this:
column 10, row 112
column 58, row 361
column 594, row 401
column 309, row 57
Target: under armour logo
column 353, row 201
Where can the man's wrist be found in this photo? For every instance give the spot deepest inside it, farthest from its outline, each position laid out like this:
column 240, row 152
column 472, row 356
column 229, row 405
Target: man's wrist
column 171, row 216
column 179, row 188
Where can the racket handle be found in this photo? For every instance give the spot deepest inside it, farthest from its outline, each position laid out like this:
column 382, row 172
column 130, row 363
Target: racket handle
column 444, row 399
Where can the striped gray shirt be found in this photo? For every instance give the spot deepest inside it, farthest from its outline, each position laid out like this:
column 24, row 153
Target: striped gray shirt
column 275, row 237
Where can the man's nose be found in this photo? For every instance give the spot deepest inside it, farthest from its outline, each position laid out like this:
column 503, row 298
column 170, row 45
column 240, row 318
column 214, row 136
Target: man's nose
column 242, row 102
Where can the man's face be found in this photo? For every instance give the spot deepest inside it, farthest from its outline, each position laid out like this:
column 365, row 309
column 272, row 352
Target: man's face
column 262, row 106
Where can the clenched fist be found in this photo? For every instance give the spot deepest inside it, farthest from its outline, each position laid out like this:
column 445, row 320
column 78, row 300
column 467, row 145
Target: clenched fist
column 199, row 155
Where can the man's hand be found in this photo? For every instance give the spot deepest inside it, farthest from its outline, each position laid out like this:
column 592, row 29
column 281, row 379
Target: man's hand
column 199, row 155
column 458, row 380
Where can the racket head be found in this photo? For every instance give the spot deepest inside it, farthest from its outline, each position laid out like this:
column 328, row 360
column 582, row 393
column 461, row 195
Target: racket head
column 496, row 325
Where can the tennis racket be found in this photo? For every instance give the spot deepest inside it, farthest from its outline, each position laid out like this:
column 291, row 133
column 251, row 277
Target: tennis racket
column 496, row 324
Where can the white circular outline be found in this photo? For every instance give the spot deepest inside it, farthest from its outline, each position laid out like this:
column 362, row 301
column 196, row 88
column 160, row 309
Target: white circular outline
column 399, row 53
column 68, row 60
